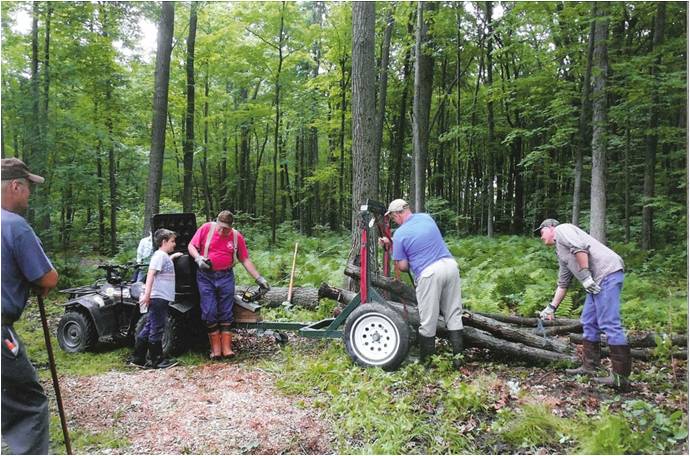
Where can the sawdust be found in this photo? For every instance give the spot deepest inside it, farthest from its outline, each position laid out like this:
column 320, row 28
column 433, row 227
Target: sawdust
column 217, row 408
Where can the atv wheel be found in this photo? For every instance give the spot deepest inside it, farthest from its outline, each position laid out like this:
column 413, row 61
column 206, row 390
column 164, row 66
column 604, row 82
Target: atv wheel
column 76, row 332
column 376, row 336
column 175, row 340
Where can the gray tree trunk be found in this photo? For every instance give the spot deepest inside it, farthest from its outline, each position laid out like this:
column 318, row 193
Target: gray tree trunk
column 383, row 80
column 421, row 105
column 599, row 121
column 491, row 169
column 160, row 112
column 583, row 129
column 188, row 147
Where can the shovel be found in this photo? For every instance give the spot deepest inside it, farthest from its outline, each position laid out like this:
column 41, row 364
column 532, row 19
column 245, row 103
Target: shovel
column 288, row 304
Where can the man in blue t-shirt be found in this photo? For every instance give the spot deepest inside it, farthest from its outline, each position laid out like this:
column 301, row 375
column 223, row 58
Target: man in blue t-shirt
column 418, row 245
column 25, row 266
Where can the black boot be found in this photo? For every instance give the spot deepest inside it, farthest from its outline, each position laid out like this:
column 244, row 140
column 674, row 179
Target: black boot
column 427, row 348
column 621, row 366
column 591, row 359
column 456, row 343
column 156, row 359
column 138, row 357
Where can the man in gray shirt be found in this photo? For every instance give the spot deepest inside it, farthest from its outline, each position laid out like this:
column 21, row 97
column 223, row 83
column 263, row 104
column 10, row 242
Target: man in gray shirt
column 600, row 271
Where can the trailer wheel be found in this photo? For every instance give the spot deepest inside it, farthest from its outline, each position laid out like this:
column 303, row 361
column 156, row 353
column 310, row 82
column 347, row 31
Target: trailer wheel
column 175, row 340
column 376, row 336
column 76, row 332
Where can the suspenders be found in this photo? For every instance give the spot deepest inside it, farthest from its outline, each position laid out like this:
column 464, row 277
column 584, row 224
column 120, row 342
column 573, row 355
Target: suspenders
column 210, row 234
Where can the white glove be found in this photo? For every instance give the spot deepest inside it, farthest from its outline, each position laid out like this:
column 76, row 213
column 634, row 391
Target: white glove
column 263, row 283
column 590, row 285
column 203, row 263
column 547, row 313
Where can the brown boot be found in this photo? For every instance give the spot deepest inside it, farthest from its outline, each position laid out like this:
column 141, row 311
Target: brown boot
column 621, row 366
column 591, row 359
column 226, row 341
column 214, row 340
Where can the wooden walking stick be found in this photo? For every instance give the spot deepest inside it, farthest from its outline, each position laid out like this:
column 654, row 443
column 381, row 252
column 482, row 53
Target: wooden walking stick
column 53, row 373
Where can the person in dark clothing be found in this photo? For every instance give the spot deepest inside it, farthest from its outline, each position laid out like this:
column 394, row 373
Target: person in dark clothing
column 25, row 267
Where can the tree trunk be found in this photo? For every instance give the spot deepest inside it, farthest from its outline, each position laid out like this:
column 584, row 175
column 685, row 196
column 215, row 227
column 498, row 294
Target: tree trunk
column 651, row 139
column 397, row 149
column 364, row 159
column 583, row 128
column 423, row 82
column 208, row 208
column 599, row 122
column 491, row 174
column 188, row 161
column 160, row 113
column 276, row 127
column 383, row 80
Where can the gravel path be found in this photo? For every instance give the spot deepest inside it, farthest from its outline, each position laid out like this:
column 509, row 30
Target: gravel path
column 217, row 408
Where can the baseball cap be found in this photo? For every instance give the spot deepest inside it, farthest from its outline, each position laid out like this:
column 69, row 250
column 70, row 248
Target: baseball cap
column 14, row 168
column 547, row 222
column 397, row 206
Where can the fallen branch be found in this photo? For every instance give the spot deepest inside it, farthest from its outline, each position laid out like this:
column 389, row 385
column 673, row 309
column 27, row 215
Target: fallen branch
column 527, row 321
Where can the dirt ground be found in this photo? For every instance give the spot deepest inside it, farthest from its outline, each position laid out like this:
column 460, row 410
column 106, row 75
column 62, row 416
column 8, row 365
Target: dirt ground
column 215, row 408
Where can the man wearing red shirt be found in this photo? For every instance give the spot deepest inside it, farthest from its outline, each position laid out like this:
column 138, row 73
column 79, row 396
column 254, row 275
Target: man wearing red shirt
column 215, row 247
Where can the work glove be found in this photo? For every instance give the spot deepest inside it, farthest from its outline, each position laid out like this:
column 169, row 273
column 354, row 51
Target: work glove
column 588, row 283
column 260, row 281
column 203, row 263
column 547, row 313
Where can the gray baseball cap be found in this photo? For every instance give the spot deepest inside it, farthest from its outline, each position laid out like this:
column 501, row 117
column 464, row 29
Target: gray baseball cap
column 545, row 223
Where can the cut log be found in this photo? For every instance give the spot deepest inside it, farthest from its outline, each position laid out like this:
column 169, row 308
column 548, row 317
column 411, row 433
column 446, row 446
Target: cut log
column 640, row 340
column 561, row 330
column 527, row 321
column 305, row 297
column 399, row 291
column 478, row 338
column 512, row 333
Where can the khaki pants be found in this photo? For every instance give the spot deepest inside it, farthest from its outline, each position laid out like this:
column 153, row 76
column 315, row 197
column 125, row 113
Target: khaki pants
column 438, row 290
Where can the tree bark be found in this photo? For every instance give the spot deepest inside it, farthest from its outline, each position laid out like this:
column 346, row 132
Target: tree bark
column 276, row 127
column 599, row 123
column 421, row 105
column 304, row 297
column 647, row 340
column 188, row 161
column 383, row 80
column 491, row 170
column 160, row 113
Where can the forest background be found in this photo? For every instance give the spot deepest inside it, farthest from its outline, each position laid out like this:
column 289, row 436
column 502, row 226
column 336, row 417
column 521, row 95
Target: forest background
column 489, row 115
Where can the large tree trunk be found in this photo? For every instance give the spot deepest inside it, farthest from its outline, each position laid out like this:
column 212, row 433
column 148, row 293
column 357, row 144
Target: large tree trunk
column 276, row 127
column 160, row 113
column 383, row 80
column 599, row 123
column 652, row 137
column 421, row 105
column 364, row 159
column 491, row 171
column 188, row 161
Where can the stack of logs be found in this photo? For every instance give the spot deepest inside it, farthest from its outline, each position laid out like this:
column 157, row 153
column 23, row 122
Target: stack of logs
column 511, row 336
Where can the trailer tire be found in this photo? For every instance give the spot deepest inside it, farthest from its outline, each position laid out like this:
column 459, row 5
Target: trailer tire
column 76, row 332
column 376, row 336
column 175, row 336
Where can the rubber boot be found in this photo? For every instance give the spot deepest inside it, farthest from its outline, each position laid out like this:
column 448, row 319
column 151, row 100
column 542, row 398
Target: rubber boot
column 156, row 359
column 226, row 341
column 456, row 343
column 591, row 359
column 138, row 356
column 427, row 348
column 621, row 366
column 214, row 340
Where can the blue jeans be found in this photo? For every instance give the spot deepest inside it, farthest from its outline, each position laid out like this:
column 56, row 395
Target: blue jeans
column 155, row 325
column 602, row 312
column 216, row 295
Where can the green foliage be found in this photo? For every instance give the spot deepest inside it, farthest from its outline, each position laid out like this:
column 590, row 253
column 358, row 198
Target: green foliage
column 83, row 441
column 534, row 426
column 641, row 428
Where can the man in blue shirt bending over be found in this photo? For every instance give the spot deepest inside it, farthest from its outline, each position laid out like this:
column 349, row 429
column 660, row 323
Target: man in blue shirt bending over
column 24, row 267
column 418, row 245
